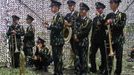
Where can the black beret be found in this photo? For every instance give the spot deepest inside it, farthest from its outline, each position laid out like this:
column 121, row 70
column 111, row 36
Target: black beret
column 14, row 17
column 71, row 2
column 100, row 5
column 29, row 17
column 40, row 40
column 55, row 3
column 115, row 1
column 84, row 6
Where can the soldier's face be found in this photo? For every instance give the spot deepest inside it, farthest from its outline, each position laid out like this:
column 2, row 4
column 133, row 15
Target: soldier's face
column 54, row 9
column 39, row 45
column 16, row 21
column 71, row 7
column 100, row 10
column 113, row 5
column 83, row 12
column 28, row 21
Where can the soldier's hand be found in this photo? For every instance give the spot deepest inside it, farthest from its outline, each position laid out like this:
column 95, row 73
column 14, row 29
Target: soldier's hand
column 46, row 24
column 67, row 24
column 39, row 46
column 35, row 57
column 76, row 39
column 40, row 58
column 109, row 21
column 14, row 32
column 97, row 13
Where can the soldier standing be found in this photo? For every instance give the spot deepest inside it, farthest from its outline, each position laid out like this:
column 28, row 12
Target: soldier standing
column 56, row 37
column 69, row 22
column 29, row 40
column 81, row 32
column 117, row 22
column 15, row 32
column 98, row 31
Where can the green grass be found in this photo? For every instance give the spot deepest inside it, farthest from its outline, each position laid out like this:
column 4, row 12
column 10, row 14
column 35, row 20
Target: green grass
column 10, row 71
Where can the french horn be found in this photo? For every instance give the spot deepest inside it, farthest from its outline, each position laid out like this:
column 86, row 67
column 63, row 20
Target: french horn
column 67, row 32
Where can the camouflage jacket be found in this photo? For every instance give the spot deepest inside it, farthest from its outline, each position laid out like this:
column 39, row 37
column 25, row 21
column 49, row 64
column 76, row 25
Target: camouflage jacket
column 82, row 29
column 118, row 24
column 29, row 38
column 98, row 29
column 56, row 27
column 44, row 53
column 71, row 18
column 19, row 33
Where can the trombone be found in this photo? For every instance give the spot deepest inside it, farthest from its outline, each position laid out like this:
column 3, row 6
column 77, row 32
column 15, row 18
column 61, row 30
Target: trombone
column 111, row 53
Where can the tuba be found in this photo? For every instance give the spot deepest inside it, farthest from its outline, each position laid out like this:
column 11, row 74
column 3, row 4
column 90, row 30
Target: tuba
column 67, row 32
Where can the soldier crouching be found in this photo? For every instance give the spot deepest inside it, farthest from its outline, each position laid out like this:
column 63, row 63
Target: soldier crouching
column 42, row 57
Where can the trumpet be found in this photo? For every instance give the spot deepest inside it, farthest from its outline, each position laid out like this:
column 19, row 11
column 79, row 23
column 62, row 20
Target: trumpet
column 16, row 49
column 110, row 41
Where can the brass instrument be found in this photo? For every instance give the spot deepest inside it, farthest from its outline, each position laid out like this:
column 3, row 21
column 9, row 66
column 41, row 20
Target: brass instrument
column 110, row 41
column 67, row 32
column 16, row 49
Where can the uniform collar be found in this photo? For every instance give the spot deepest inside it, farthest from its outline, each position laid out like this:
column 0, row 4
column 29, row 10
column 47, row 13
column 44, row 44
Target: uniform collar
column 84, row 17
column 16, row 25
column 56, row 14
column 72, row 12
column 30, row 24
column 117, row 10
column 101, row 15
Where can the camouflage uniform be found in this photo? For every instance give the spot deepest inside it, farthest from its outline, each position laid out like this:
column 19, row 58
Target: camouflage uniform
column 118, row 24
column 82, row 29
column 43, row 58
column 57, row 42
column 19, row 33
column 29, row 43
column 98, row 31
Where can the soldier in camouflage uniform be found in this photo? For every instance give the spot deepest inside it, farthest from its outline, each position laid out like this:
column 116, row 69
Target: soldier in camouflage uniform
column 57, row 37
column 81, row 32
column 29, row 40
column 42, row 57
column 117, row 22
column 69, row 22
column 15, row 33
column 98, row 31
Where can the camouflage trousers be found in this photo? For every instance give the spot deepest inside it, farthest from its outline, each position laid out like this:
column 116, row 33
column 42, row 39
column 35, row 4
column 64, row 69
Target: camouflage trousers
column 93, row 50
column 14, row 55
column 57, row 57
column 72, row 53
column 28, row 51
column 81, row 60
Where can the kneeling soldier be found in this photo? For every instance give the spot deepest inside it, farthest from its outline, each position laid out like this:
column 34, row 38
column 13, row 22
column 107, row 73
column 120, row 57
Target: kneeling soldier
column 42, row 57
